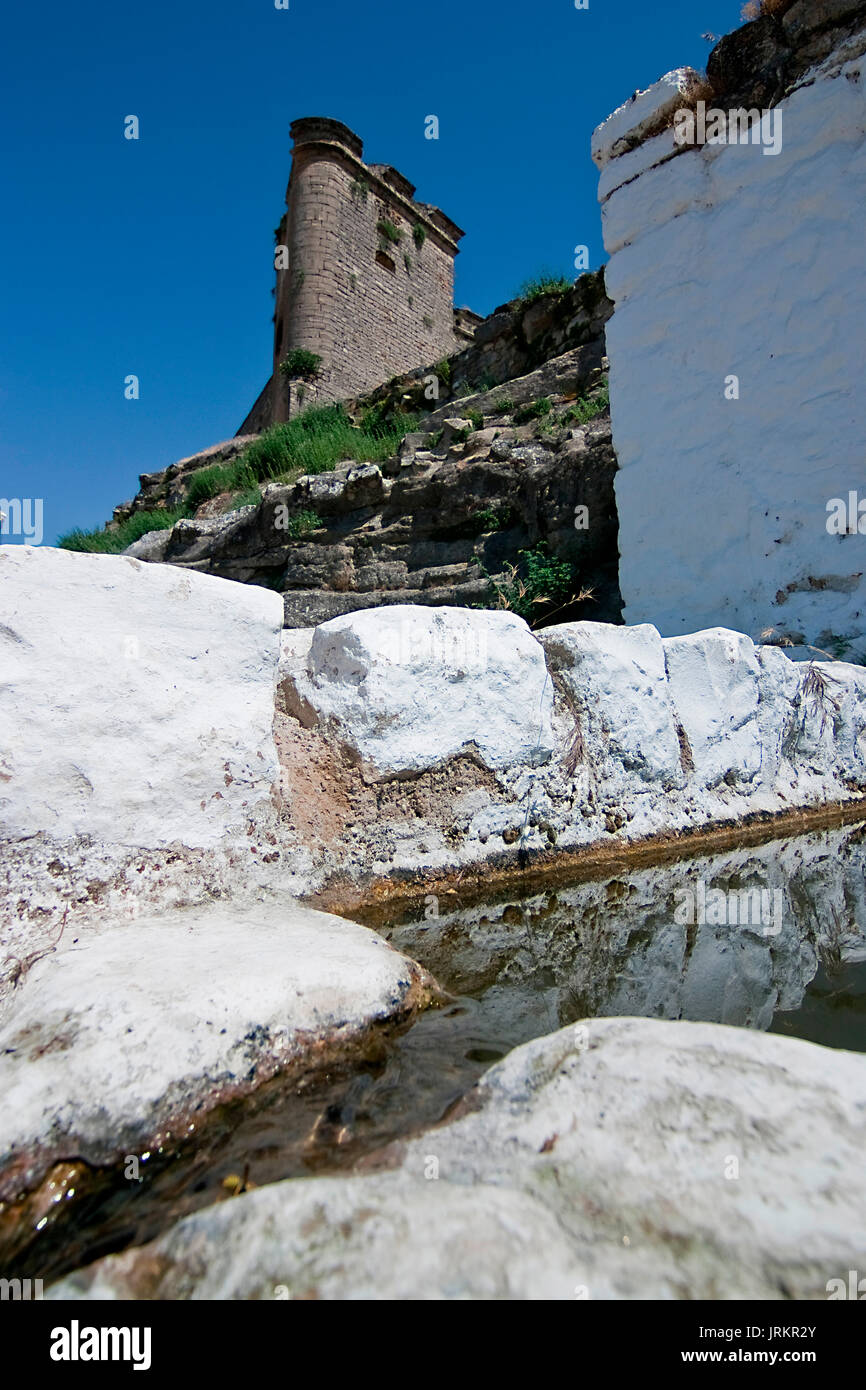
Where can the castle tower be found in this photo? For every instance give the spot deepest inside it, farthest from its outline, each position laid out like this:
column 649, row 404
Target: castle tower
column 369, row 283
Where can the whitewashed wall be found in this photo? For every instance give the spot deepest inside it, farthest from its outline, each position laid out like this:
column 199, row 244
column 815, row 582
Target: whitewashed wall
column 725, row 260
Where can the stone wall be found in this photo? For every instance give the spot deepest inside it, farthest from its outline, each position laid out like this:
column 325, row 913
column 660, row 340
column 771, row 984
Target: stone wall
column 370, row 302
column 728, row 261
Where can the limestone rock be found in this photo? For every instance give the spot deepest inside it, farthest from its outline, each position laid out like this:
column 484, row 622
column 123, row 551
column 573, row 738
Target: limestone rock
column 137, row 701
column 407, row 688
column 563, row 1182
column 107, row 1045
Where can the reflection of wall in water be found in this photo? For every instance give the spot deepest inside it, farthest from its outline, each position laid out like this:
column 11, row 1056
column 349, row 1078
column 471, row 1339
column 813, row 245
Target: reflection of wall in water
column 616, row 948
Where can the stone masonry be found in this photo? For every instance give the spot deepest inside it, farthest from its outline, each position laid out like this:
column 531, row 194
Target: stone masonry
column 369, row 280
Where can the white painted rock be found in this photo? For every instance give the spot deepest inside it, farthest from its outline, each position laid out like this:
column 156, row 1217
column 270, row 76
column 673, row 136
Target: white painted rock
column 713, row 682
column 643, row 114
column 107, row 1043
column 622, row 1158
column 136, row 701
column 734, row 496
column 618, row 679
column 406, row 688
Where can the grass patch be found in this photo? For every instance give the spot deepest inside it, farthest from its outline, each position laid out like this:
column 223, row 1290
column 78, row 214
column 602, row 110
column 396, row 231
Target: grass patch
column 419, row 234
column 538, row 285
column 104, row 542
column 388, row 232
column 314, row 442
column 302, row 523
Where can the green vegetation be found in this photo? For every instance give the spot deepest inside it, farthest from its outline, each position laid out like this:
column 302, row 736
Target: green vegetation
column 443, row 371
column 112, row 542
column 538, row 285
column 313, row 442
column 301, row 363
column 302, row 523
column 419, row 234
column 533, row 410
column 407, row 261
column 360, row 190
column 477, row 419
column 505, row 405
column 539, row 579
column 486, row 520
column 588, row 407
column 388, row 232
column 251, row 498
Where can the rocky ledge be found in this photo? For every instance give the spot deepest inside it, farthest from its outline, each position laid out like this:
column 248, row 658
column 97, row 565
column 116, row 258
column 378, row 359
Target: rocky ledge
column 197, row 751
column 443, row 520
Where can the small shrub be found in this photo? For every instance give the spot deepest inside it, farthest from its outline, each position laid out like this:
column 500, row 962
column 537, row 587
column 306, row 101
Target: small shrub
column 589, row 407
column 419, row 234
column 407, row 261
column 538, row 581
column 360, row 190
column 388, row 232
column 534, row 410
column 443, row 370
column 477, row 419
column 302, row 523
column 301, row 363
column 486, row 520
column 505, row 405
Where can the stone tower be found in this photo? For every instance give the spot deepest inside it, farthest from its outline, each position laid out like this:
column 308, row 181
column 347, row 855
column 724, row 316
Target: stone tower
column 365, row 276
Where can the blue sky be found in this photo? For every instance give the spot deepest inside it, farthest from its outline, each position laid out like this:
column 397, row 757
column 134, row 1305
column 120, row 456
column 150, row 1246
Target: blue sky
column 155, row 257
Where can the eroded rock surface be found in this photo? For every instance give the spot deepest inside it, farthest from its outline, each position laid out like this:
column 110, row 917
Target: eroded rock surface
column 123, row 1043
column 622, row 1158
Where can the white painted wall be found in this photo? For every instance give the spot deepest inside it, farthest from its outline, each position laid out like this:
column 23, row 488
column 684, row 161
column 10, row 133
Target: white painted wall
column 725, row 260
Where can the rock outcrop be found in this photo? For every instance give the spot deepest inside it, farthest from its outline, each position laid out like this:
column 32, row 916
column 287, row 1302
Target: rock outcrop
column 442, row 521
column 124, row 1043
column 197, row 752
column 625, row 1158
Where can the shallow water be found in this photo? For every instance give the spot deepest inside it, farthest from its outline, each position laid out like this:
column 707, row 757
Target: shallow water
column 673, row 941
